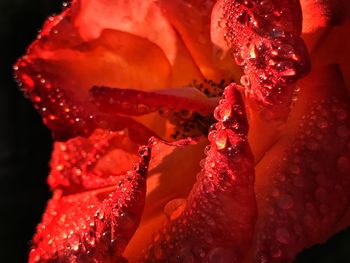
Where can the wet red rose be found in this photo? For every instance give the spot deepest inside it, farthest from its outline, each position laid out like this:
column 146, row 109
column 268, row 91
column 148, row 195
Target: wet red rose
column 161, row 157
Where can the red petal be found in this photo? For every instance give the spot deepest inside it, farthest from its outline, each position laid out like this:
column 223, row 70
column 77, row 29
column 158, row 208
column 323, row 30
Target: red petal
column 136, row 102
column 82, row 164
column 322, row 13
column 302, row 182
column 92, row 226
column 216, row 224
column 66, row 109
column 266, row 42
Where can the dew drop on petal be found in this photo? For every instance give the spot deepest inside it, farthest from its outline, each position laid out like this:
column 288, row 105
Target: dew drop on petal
column 174, row 208
column 283, row 236
column 222, row 255
column 285, row 201
column 343, row 164
column 245, row 81
column 221, row 140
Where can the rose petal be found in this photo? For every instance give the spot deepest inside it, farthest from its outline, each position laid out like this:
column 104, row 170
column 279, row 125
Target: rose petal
column 326, row 46
column 217, row 221
column 82, row 164
column 142, row 18
column 135, row 102
column 164, row 184
column 93, row 226
column 266, row 42
column 64, row 63
column 302, row 180
column 318, row 14
column 62, row 98
column 192, row 20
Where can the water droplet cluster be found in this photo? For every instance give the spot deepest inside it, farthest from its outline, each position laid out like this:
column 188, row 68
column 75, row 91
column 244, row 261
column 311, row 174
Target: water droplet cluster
column 74, row 164
column 95, row 224
column 58, row 110
column 205, row 228
column 136, row 102
column 264, row 35
column 309, row 185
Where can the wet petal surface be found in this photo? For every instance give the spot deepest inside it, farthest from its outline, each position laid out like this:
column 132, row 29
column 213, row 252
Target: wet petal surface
column 92, row 226
column 216, row 222
column 302, row 180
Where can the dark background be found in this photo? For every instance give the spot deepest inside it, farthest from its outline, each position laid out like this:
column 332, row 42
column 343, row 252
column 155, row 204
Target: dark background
column 25, row 144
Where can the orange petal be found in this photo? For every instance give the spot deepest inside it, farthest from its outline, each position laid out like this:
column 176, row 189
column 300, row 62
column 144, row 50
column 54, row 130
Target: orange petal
column 164, row 185
column 143, row 18
column 216, row 222
column 60, row 80
column 78, row 49
column 192, row 20
column 319, row 14
column 302, row 182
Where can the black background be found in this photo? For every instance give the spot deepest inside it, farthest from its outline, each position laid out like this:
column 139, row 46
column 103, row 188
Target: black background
column 25, row 144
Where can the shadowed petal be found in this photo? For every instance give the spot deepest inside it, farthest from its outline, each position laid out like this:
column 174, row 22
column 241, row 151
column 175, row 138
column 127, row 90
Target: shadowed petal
column 303, row 180
column 318, row 14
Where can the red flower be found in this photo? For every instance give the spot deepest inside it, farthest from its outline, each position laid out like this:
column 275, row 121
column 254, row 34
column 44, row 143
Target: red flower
column 107, row 76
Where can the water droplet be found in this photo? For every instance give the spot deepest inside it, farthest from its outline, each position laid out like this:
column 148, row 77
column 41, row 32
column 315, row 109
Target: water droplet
column 343, row 131
column 222, row 255
column 321, row 194
column 101, row 215
column 141, row 108
column 126, row 105
column 294, row 169
column 158, row 251
column 312, row 145
column 185, row 256
column 285, row 201
column 343, row 164
column 27, row 81
column 299, row 181
column 207, row 149
column 143, row 151
column 37, row 99
column 283, row 236
column 276, row 252
column 286, row 68
column 322, row 124
column 221, row 140
column 174, row 208
column 342, row 115
column 286, row 51
column 245, row 81
column 226, row 113
column 75, row 246
column 199, row 252
column 239, row 59
column 276, row 32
